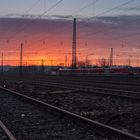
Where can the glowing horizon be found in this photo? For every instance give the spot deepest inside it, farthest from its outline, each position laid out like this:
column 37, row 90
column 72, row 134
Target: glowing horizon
column 51, row 40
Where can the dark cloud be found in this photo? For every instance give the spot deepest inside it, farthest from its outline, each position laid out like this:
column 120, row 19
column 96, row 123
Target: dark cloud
column 53, row 34
column 130, row 9
column 60, row 27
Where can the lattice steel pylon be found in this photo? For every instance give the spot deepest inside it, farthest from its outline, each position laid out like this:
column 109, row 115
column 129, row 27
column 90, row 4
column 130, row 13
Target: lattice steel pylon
column 74, row 61
column 111, row 57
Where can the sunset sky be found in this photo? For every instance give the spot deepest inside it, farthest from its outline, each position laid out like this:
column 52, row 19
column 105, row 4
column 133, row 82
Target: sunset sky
column 45, row 29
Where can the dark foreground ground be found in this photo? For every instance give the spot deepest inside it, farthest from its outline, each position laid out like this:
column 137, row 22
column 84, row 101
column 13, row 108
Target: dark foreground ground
column 116, row 112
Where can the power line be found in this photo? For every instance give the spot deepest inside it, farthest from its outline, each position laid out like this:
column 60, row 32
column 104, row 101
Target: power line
column 39, row 16
column 21, row 19
column 114, row 8
column 36, row 3
column 110, row 29
column 109, row 10
column 100, row 14
column 86, row 6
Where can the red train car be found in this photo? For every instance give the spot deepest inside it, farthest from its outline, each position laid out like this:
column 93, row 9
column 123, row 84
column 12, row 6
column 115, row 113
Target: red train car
column 87, row 71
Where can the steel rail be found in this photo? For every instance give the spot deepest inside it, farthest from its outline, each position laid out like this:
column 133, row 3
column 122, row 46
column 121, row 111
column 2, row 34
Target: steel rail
column 6, row 131
column 76, row 79
column 133, row 94
column 94, row 90
column 96, row 85
column 82, row 79
column 110, row 131
column 88, row 89
column 95, row 80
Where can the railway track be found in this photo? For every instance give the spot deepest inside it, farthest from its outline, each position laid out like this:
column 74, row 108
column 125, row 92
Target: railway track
column 88, row 89
column 117, row 80
column 33, row 119
column 95, row 82
column 109, row 79
column 65, row 90
column 96, row 88
column 116, row 112
column 131, row 95
column 91, row 80
column 112, row 86
column 102, row 84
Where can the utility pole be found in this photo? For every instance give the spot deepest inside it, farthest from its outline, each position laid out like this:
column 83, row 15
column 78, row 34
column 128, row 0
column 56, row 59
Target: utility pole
column 74, row 61
column 42, row 66
column 2, row 63
column 129, row 60
column 66, row 59
column 111, row 57
column 87, row 61
column 137, row 61
column 21, row 51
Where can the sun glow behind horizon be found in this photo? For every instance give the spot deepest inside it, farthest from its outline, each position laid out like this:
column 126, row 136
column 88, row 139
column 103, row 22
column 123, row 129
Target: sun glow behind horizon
column 51, row 40
column 48, row 37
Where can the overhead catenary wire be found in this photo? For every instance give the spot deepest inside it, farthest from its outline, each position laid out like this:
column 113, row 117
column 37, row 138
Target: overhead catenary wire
column 39, row 16
column 25, row 13
column 98, row 15
column 84, row 7
column 88, row 5
column 110, row 29
column 113, row 28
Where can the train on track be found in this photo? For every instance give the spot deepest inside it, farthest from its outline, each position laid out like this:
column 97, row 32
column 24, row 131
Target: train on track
column 88, row 71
